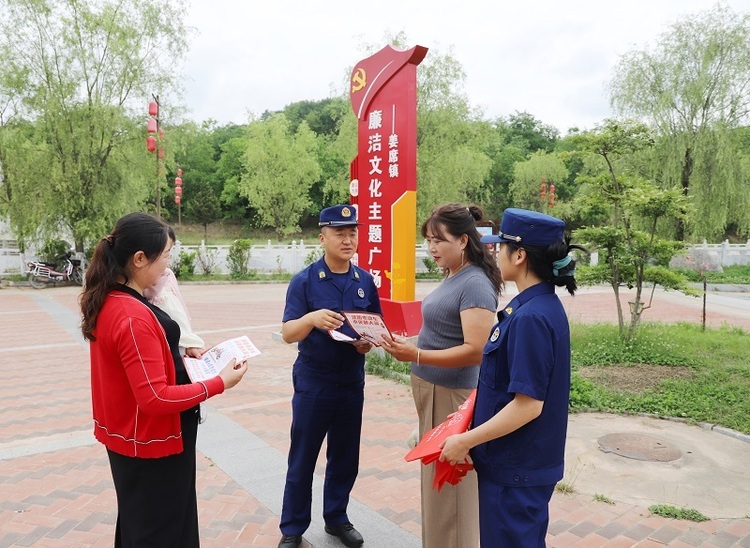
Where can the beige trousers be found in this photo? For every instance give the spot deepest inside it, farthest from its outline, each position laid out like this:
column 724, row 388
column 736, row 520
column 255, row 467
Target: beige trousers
column 450, row 518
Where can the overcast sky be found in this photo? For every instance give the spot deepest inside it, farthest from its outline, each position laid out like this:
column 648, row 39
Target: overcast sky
column 549, row 58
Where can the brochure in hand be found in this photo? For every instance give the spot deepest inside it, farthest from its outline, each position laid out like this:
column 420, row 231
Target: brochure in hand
column 216, row 358
column 368, row 325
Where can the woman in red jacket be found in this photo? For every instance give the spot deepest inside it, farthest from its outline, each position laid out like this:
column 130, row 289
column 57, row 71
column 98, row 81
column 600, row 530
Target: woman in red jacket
column 145, row 408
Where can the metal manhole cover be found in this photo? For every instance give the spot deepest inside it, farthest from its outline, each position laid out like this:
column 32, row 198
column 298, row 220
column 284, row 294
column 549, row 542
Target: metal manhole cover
column 639, row 447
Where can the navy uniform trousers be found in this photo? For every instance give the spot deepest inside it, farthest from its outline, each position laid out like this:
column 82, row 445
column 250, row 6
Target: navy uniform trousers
column 322, row 409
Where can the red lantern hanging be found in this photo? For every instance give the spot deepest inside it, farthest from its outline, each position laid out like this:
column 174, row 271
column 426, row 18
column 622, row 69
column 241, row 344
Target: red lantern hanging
column 179, row 172
column 161, row 133
column 178, row 190
column 161, row 153
column 552, row 196
column 153, row 108
column 177, row 200
column 151, row 125
column 543, row 191
column 151, row 143
column 178, row 181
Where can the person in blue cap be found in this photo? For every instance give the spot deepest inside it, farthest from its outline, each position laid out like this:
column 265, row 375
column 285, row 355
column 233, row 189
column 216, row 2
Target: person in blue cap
column 328, row 378
column 517, row 439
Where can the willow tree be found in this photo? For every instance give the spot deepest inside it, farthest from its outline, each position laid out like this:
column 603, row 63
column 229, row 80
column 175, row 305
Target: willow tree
column 453, row 164
column 280, row 167
column 541, row 167
column 694, row 88
column 82, row 72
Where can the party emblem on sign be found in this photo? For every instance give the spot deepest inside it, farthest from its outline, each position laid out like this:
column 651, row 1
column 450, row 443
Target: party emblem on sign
column 346, row 212
column 361, row 292
column 359, row 80
column 495, row 334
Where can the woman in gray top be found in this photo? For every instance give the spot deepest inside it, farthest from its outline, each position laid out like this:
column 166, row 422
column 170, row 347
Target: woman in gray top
column 456, row 321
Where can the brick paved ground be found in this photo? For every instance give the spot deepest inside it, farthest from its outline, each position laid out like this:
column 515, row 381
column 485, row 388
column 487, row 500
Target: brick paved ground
column 55, row 484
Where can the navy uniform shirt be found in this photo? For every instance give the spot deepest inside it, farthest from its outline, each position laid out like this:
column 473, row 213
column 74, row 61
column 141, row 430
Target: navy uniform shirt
column 314, row 288
column 528, row 353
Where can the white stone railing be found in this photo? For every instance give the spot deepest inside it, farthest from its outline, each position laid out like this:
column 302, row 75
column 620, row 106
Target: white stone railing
column 291, row 258
column 269, row 258
column 726, row 254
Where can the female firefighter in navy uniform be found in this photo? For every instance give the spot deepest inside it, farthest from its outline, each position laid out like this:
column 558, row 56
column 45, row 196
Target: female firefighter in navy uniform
column 517, row 440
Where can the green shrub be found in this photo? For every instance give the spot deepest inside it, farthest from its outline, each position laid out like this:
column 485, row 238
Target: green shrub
column 430, row 265
column 184, row 266
column 53, row 249
column 239, row 258
column 314, row 255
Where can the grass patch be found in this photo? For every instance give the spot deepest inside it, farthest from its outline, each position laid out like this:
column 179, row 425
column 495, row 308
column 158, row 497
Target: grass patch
column 564, row 488
column 736, row 274
column 667, row 511
column 673, row 370
column 601, row 498
column 667, row 370
column 379, row 362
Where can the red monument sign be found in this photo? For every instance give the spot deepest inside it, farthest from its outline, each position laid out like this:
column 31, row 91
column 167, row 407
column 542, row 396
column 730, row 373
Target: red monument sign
column 384, row 178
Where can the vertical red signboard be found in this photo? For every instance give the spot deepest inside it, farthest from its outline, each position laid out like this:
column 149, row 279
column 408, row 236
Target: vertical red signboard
column 384, row 178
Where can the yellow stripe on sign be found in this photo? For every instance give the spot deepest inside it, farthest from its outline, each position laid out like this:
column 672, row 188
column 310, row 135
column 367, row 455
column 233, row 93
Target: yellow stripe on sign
column 403, row 243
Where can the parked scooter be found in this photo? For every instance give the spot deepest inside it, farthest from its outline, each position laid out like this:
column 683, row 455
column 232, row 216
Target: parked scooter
column 66, row 270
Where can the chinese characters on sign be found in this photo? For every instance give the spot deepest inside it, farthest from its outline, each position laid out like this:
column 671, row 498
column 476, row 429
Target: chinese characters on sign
column 384, row 98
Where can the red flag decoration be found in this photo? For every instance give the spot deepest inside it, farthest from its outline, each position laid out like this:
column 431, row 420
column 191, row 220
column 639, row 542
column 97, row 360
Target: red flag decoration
column 428, row 450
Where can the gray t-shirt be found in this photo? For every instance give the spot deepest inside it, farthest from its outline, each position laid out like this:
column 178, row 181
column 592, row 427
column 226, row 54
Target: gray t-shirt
column 441, row 323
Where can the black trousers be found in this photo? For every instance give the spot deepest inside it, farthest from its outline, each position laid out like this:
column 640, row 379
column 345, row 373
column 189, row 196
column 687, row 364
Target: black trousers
column 156, row 500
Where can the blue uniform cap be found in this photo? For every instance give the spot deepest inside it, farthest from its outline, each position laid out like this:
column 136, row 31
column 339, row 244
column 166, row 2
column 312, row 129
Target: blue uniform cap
column 340, row 215
column 526, row 227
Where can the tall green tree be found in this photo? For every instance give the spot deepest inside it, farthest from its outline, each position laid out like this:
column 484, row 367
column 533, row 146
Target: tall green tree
column 192, row 146
column 280, row 168
column 229, row 170
column 204, row 206
column 83, row 71
column 452, row 161
column 630, row 252
column 693, row 89
column 23, row 159
column 540, row 167
column 527, row 132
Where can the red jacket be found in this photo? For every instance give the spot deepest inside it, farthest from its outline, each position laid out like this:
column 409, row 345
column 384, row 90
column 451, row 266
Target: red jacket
column 135, row 400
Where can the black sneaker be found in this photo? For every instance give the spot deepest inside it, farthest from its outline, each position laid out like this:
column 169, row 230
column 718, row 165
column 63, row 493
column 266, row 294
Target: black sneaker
column 347, row 534
column 290, row 541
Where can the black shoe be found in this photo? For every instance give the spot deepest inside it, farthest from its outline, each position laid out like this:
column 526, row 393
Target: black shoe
column 290, row 541
column 347, row 534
